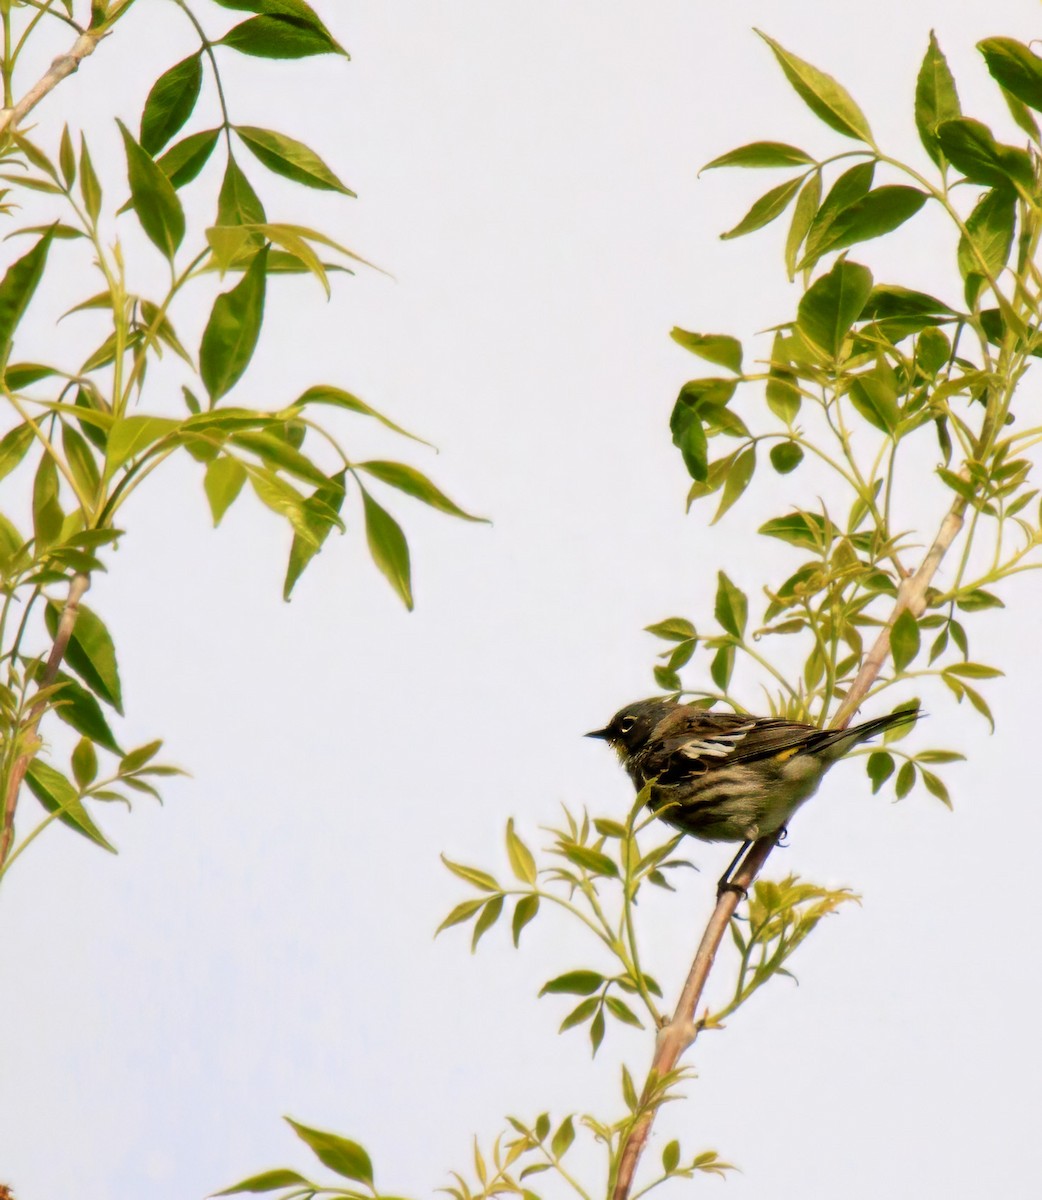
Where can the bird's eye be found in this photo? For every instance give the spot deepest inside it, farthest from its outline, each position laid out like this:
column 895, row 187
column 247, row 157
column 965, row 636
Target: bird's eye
column 626, row 725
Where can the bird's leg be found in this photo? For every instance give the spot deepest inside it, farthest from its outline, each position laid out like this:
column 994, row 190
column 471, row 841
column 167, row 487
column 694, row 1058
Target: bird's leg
column 724, row 883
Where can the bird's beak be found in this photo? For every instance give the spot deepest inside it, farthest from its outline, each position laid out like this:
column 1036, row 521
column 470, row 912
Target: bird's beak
column 603, row 734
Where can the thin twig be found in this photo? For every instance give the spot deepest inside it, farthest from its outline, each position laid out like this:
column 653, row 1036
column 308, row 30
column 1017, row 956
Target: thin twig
column 62, row 67
column 77, row 587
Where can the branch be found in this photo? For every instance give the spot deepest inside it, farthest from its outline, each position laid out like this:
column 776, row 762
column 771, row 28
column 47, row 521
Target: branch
column 62, row 67
column 674, row 1038
column 77, row 586
column 911, row 595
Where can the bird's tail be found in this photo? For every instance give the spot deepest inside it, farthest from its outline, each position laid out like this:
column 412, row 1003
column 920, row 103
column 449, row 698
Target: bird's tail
column 839, row 741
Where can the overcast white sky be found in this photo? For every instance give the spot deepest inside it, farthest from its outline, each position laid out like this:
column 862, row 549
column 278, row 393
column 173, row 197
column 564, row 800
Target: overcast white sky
column 262, row 944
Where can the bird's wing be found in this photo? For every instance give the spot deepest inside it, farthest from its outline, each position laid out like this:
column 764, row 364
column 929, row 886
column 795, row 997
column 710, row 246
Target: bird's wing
column 691, row 741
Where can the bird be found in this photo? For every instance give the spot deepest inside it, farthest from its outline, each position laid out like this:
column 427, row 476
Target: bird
column 728, row 777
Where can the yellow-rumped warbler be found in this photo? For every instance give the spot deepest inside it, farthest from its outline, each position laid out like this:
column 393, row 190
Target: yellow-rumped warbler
column 723, row 777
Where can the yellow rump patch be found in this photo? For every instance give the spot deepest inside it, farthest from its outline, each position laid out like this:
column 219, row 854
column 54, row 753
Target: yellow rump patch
column 785, row 755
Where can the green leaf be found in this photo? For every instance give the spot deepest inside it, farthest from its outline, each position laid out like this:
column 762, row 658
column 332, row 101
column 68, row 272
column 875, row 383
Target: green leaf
column 277, row 37
column 17, row 288
column 47, row 512
column 905, row 780
column 232, row 331
column 67, row 158
column 348, row 1159
column 716, row 348
column 581, row 1012
column 970, row 146
column 13, row 447
column 299, row 10
column 237, row 202
column 591, row 860
column 904, row 639
column 266, row 1181
column 170, row 102
column 286, row 156
column 80, row 711
column 84, row 762
column 223, row 483
column 985, row 246
column 57, row 794
column 798, row 529
column 878, row 213
column 873, row 396
column 490, row 914
column 828, row 100
column 762, row 154
column 521, row 861
column 130, row 436
column 278, row 454
column 622, row 1012
column 80, row 460
column 976, row 601
column 563, row 1138
column 738, row 479
column 698, row 398
column 936, row 99
column 90, row 653
column 574, row 983
column 673, row 629
column 971, row 670
column 783, row 395
column 802, row 219
column 832, row 304
column 786, row 457
column 388, row 548
column 768, row 208
column 319, row 512
column 413, row 483
column 326, row 394
column 1017, row 68
column 186, row 158
column 979, row 703
column 670, row 1156
column 524, row 912
column 851, row 186
column 732, row 606
column 153, row 198
column 462, row 912
column 689, row 437
column 90, row 188
column 880, row 767
column 935, row 787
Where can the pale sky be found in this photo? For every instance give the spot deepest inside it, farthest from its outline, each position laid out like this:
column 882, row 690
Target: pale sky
column 262, row 944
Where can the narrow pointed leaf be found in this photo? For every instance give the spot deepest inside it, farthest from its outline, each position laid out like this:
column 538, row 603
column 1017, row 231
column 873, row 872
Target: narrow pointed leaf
column 770, row 206
column 388, row 548
column 153, row 197
column 762, row 154
column 232, row 331
column 286, row 156
column 936, row 98
column 827, row 99
column 413, row 483
column 57, row 794
column 348, row 1159
column 170, row 102
column 832, row 304
column 16, row 290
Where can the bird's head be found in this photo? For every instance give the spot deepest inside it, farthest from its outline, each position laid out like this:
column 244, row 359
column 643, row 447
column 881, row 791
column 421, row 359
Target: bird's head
column 631, row 726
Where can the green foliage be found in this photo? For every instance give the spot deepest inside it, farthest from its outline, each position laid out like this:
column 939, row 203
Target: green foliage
column 87, row 439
